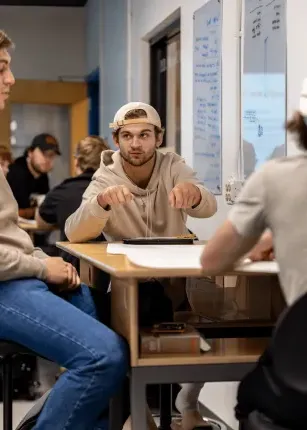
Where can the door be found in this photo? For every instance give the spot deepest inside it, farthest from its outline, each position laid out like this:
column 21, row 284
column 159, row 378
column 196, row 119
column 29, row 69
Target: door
column 78, row 127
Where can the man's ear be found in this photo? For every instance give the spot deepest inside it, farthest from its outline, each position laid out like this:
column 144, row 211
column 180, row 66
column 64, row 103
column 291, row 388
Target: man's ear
column 115, row 139
column 160, row 138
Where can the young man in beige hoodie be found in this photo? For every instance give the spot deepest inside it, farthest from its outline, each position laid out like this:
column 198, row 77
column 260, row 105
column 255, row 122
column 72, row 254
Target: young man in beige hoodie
column 138, row 192
column 44, row 308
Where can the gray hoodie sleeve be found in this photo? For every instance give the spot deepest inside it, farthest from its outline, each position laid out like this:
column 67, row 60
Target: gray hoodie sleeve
column 207, row 207
column 90, row 219
column 14, row 264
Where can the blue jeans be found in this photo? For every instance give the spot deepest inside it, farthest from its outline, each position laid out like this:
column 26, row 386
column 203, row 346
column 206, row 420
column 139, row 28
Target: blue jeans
column 65, row 330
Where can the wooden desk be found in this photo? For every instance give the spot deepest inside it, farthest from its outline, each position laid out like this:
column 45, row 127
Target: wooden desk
column 228, row 360
column 33, row 228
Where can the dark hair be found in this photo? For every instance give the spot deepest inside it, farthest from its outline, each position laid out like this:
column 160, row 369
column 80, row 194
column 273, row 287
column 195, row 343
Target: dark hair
column 5, row 41
column 298, row 124
column 134, row 114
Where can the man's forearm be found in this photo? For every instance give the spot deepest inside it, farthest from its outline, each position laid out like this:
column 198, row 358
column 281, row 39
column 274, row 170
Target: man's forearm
column 87, row 222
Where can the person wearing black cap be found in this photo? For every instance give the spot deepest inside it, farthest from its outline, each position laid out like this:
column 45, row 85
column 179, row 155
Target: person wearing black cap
column 28, row 175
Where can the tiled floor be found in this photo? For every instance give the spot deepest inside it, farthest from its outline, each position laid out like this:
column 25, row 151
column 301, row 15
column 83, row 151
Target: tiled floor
column 19, row 411
column 21, row 408
column 47, row 372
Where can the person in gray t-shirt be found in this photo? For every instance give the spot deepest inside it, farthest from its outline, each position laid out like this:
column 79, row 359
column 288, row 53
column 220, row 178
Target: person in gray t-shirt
column 272, row 198
column 272, row 206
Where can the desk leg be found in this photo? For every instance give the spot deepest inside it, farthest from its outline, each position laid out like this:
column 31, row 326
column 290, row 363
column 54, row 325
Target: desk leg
column 124, row 316
column 165, row 406
column 138, row 400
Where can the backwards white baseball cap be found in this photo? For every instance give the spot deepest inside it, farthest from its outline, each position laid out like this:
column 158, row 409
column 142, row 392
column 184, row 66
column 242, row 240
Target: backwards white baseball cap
column 303, row 99
column 152, row 116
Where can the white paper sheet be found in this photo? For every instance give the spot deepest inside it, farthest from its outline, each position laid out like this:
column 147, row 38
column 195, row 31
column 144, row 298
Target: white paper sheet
column 180, row 257
column 259, row 266
column 167, row 256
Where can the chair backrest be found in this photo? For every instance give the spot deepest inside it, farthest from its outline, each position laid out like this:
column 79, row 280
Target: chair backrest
column 289, row 346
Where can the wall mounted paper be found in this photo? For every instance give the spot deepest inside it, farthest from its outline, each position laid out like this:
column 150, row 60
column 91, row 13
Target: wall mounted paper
column 207, row 95
column 264, row 82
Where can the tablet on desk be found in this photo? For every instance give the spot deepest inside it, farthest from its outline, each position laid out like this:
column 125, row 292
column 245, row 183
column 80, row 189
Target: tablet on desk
column 159, row 241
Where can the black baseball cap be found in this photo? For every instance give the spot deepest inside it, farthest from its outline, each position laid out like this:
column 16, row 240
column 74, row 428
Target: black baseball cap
column 46, row 142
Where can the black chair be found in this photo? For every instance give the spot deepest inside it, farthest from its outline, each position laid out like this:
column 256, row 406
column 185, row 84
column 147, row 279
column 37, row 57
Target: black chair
column 8, row 350
column 258, row 421
column 288, row 352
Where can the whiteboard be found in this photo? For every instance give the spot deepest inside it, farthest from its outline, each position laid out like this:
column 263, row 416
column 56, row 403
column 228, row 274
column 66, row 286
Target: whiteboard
column 263, row 82
column 207, row 152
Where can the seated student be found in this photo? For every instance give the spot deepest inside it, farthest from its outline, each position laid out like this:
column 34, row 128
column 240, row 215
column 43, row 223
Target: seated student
column 28, row 174
column 273, row 198
column 65, row 199
column 5, row 159
column 44, row 308
column 138, row 191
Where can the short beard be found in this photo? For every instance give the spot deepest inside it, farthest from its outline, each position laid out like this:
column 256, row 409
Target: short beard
column 36, row 169
column 137, row 164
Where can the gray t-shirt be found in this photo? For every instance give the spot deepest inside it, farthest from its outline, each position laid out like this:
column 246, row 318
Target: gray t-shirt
column 275, row 197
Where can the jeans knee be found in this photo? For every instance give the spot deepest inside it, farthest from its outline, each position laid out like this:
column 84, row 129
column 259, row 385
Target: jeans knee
column 115, row 357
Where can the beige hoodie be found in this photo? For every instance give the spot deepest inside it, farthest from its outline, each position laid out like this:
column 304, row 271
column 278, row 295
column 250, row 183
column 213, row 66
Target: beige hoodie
column 149, row 213
column 18, row 258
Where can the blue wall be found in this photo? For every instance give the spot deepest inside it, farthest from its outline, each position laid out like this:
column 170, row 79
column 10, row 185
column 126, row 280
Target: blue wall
column 93, row 38
column 113, row 65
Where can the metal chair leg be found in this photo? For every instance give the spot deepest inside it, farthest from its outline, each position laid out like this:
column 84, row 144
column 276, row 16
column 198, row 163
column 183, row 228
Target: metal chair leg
column 7, row 374
column 165, row 406
column 116, row 417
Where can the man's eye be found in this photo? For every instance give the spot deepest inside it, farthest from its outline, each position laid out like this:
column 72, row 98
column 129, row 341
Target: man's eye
column 144, row 135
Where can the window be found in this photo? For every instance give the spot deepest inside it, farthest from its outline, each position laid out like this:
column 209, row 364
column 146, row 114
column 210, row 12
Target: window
column 165, row 84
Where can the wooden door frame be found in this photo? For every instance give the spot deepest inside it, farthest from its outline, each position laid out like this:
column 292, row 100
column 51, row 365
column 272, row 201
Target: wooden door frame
column 43, row 92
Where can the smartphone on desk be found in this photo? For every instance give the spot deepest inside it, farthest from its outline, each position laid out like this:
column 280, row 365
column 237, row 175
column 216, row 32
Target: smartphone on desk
column 169, row 327
column 159, row 241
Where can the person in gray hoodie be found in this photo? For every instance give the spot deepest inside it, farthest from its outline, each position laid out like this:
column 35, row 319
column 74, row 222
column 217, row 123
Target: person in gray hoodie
column 140, row 192
column 46, row 309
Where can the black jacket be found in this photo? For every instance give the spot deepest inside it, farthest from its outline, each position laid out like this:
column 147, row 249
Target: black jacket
column 23, row 183
column 64, row 200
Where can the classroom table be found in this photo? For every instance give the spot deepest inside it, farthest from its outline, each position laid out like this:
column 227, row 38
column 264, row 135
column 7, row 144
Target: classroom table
column 31, row 228
column 228, row 359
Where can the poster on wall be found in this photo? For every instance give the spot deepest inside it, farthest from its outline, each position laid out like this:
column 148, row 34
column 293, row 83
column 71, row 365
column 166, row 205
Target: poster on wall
column 263, row 82
column 207, row 155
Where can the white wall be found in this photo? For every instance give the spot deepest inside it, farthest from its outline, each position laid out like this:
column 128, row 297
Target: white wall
column 50, row 41
column 147, row 16
column 297, row 58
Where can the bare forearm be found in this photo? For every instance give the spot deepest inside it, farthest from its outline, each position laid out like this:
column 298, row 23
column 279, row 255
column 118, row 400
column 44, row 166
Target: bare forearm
column 224, row 250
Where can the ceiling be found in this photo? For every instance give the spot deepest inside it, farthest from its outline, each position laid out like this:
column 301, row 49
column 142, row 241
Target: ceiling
column 71, row 3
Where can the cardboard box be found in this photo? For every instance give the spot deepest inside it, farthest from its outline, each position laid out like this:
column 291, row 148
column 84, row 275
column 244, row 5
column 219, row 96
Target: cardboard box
column 174, row 343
